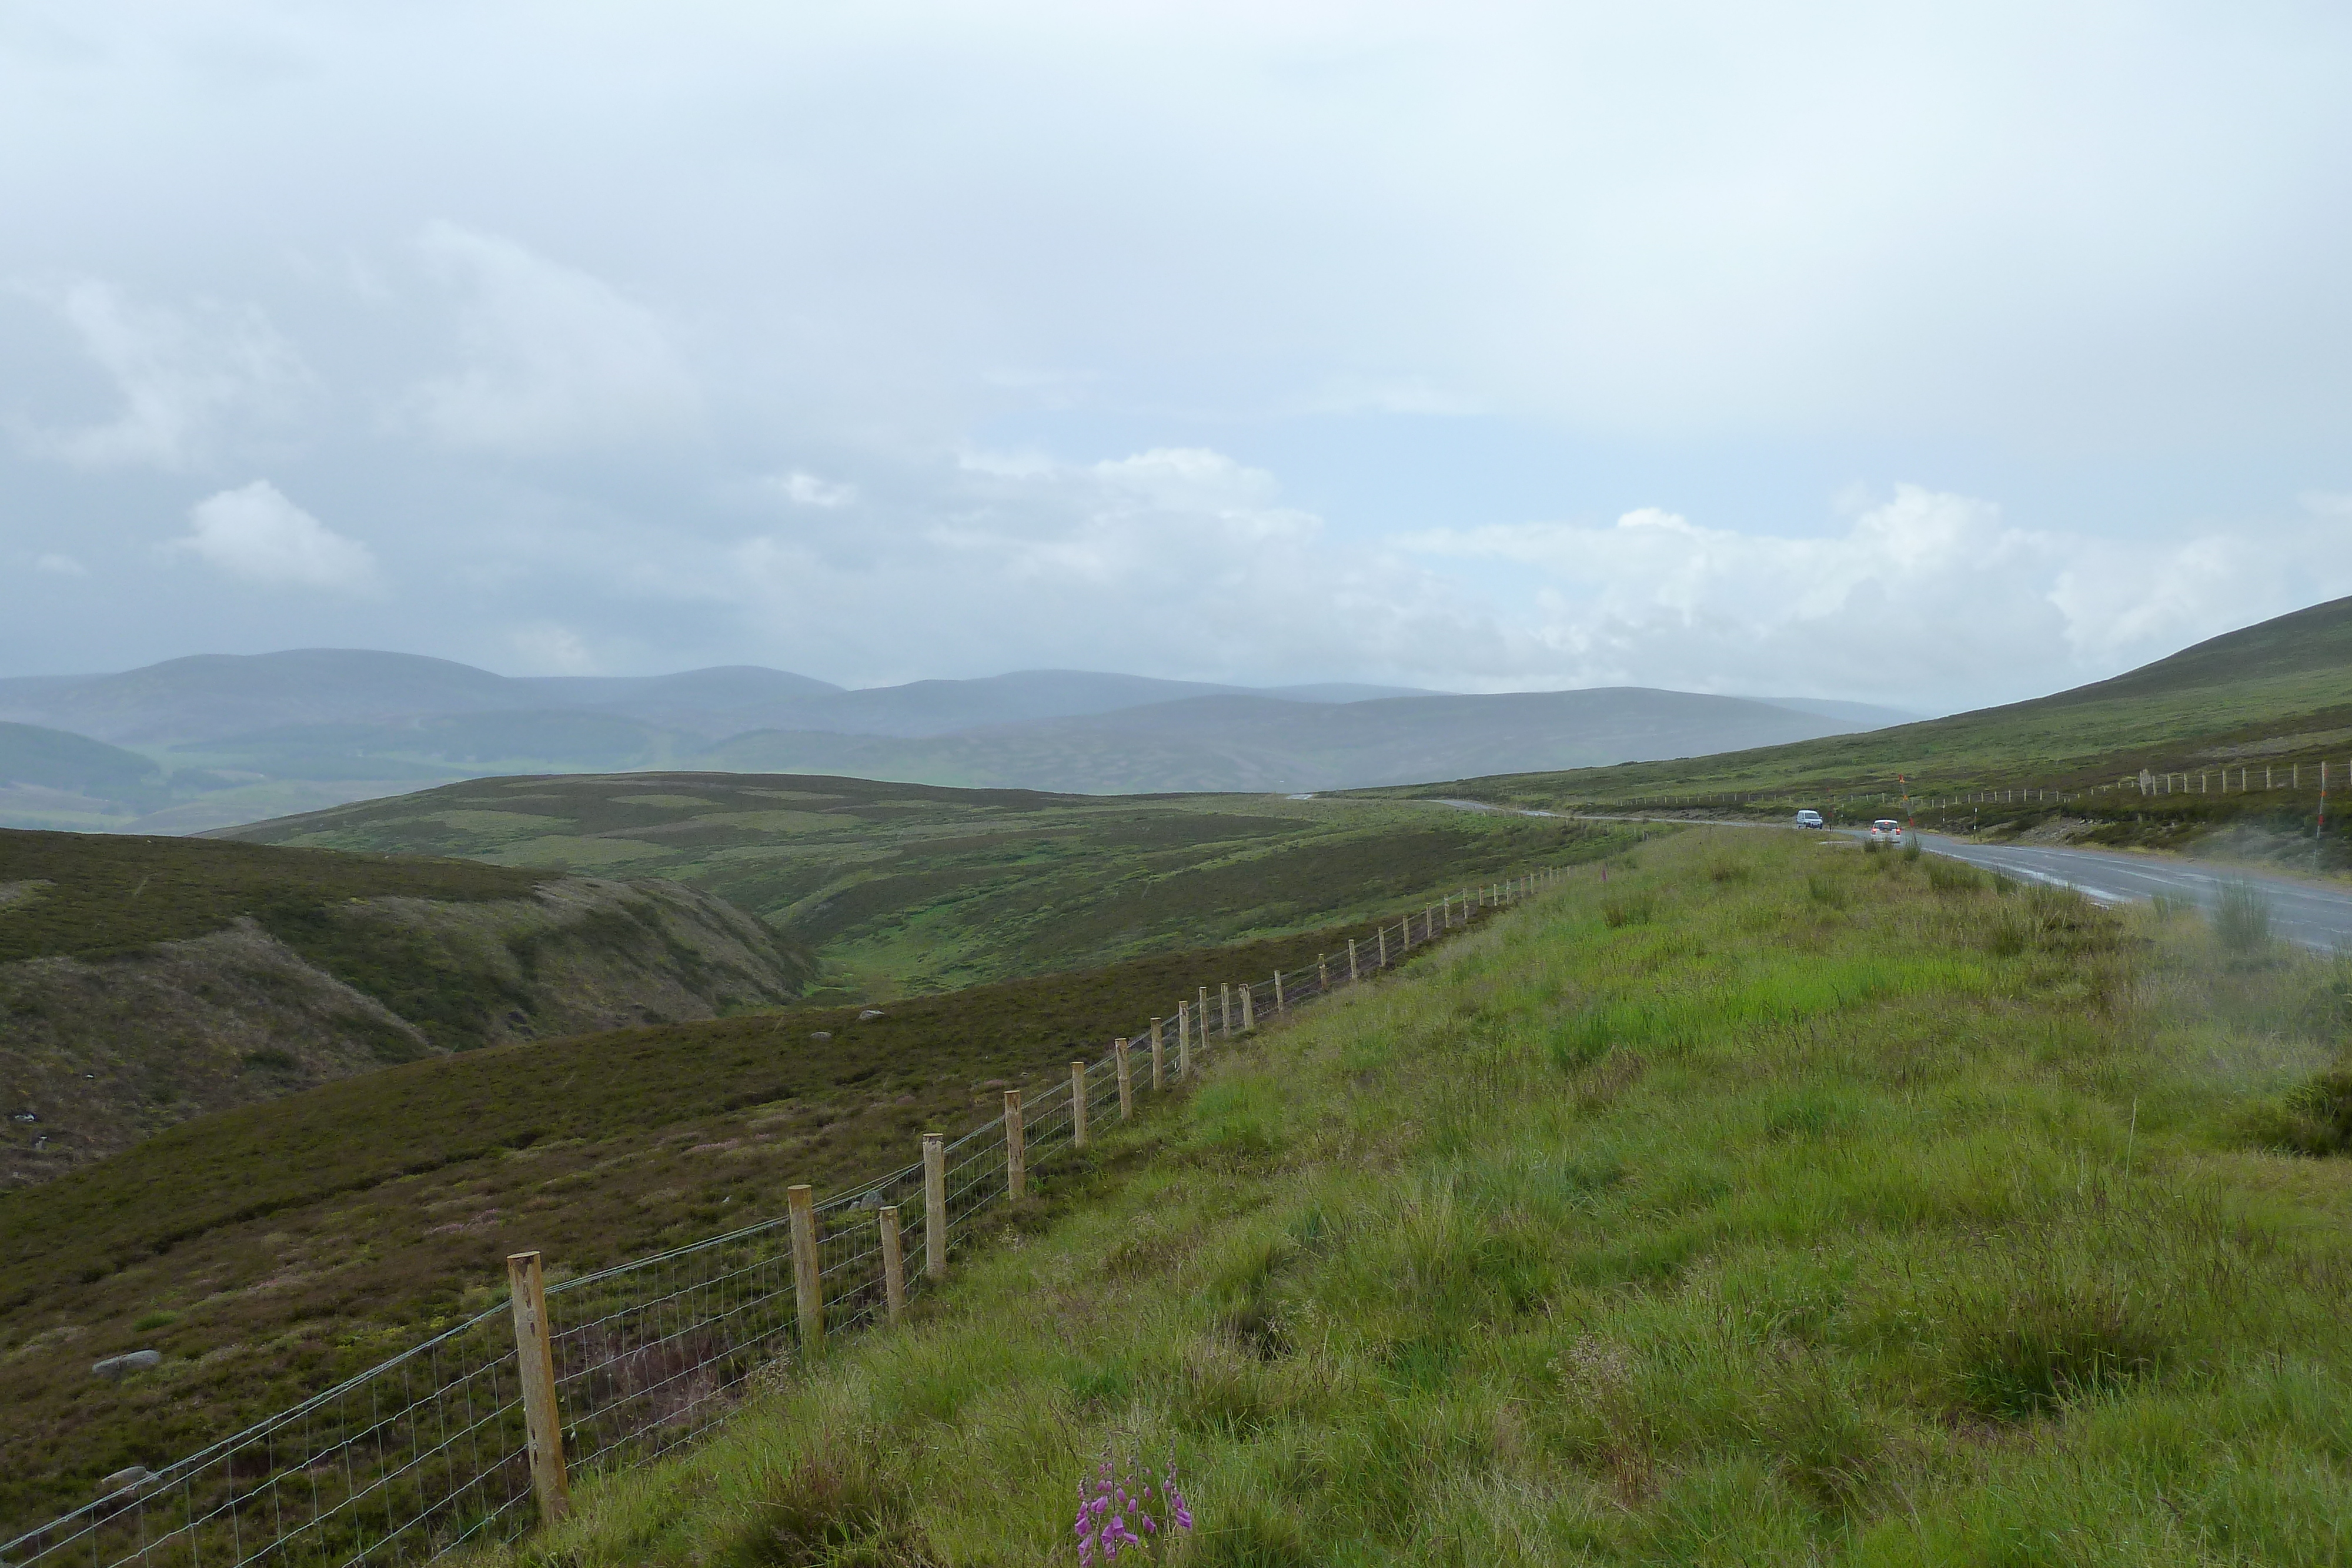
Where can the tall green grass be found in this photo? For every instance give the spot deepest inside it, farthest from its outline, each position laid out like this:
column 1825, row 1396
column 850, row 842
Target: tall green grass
column 1913, row 1226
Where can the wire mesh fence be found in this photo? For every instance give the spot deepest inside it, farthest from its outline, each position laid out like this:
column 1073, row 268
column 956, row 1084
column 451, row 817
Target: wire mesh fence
column 433, row 1449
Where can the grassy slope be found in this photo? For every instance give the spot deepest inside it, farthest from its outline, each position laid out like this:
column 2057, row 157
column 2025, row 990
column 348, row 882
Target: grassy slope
column 1769, row 1206
column 910, row 888
column 270, row 1249
column 111, row 894
column 138, row 1036
column 2278, row 692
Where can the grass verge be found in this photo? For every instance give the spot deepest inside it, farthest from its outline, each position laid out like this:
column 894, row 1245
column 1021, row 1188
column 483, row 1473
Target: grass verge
column 1757, row 1208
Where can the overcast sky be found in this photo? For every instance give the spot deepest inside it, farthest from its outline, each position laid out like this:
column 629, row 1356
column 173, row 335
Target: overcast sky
column 1928, row 355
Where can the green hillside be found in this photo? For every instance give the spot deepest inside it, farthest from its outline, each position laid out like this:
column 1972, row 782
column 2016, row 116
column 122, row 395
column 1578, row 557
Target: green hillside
column 2279, row 693
column 1772, row 1205
column 93, row 894
column 146, row 981
column 906, row 888
column 57, row 760
column 269, row 1250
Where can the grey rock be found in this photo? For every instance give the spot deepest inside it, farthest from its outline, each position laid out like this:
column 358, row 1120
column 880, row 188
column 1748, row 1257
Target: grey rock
column 129, row 1361
column 820, row 1034
column 132, row 1479
column 870, row 1013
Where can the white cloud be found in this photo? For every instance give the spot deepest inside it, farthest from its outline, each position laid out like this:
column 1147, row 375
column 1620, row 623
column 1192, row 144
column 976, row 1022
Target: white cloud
column 1926, row 599
column 549, row 649
column 557, row 359
column 60, row 565
column 807, row 490
column 184, row 377
column 1177, row 561
column 254, row 532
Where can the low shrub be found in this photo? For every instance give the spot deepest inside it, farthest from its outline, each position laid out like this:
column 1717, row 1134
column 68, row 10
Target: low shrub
column 2315, row 1117
column 1621, row 909
column 2054, row 1344
column 1951, row 877
column 2241, row 920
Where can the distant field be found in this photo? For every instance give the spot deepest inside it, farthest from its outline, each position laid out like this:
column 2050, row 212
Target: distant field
column 906, row 889
column 270, row 1249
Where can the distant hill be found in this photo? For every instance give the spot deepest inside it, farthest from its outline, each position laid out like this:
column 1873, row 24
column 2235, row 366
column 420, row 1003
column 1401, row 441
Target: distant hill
column 209, row 695
column 926, row 708
column 146, row 980
column 225, row 739
column 1255, row 743
column 901, row 887
column 2275, row 693
column 1854, row 715
column 56, row 759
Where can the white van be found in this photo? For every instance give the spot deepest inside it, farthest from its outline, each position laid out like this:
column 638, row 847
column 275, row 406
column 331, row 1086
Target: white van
column 1809, row 818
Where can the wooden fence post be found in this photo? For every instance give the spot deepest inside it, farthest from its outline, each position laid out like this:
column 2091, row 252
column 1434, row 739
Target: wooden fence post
column 1077, row 1104
column 935, row 1206
column 1183, row 1031
column 1384, row 946
column 894, row 1263
column 1184, row 1053
column 1200, row 1018
column 1278, row 1007
column 1126, row 1082
column 1225, row 1006
column 1158, row 1058
column 808, row 1277
column 535, row 1360
column 1351, row 960
column 1249, row 1009
column 1016, row 1153
column 1322, row 972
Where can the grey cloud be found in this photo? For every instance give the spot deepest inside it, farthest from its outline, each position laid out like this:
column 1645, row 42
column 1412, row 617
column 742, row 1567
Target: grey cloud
column 554, row 356
column 186, row 378
column 1060, row 338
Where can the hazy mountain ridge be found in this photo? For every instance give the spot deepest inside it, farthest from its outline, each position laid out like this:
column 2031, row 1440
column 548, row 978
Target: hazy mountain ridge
column 213, row 740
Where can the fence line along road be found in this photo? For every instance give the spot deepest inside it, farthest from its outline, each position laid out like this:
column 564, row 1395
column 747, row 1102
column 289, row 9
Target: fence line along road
column 2318, row 777
column 474, row 1433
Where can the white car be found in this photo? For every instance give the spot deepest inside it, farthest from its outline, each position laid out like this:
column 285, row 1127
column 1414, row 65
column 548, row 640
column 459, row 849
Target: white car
column 1809, row 819
column 1887, row 831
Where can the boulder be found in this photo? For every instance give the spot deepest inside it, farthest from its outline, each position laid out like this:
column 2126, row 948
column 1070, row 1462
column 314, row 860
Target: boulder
column 132, row 1479
column 129, row 1361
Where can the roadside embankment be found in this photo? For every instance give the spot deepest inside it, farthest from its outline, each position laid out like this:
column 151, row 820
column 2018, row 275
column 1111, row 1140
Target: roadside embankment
column 1756, row 1205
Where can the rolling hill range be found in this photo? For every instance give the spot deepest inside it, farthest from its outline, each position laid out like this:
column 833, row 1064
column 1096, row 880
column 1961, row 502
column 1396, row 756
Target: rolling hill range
column 215, row 740
column 146, row 981
column 902, row 888
column 1254, row 743
column 2277, row 694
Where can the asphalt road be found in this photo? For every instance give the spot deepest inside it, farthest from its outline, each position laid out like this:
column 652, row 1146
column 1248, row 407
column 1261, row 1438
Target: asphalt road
column 2314, row 915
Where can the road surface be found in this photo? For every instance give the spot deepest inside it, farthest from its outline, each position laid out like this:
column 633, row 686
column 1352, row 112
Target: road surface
column 2315, row 916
